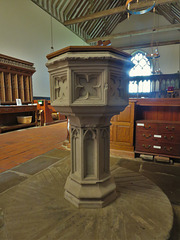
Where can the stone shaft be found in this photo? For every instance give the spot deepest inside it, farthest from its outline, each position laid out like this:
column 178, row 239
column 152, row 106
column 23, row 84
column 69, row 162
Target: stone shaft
column 90, row 183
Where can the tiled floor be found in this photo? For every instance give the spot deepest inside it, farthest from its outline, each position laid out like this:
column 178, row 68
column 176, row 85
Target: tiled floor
column 17, row 147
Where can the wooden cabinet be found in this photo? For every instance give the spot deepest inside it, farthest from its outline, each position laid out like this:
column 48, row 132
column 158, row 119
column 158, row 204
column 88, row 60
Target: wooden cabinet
column 123, row 134
column 15, row 83
column 8, row 117
column 158, row 127
column 158, row 137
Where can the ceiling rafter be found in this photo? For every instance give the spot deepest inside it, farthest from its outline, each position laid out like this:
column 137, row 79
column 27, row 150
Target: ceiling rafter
column 61, row 3
column 107, row 14
column 56, row 7
column 52, row 7
column 114, row 11
column 66, row 10
column 74, row 8
column 146, row 45
column 108, row 20
column 91, row 26
column 95, row 21
column 105, row 6
column 138, row 32
column 47, row 5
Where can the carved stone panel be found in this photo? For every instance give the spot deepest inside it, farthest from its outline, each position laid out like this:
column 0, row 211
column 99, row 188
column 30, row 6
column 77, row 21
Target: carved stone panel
column 89, row 139
column 76, row 142
column 118, row 86
column 104, row 151
column 95, row 142
column 105, row 141
column 115, row 86
column 87, row 86
column 60, row 87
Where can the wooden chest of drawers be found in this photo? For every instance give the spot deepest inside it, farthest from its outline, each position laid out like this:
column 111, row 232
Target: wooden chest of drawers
column 158, row 138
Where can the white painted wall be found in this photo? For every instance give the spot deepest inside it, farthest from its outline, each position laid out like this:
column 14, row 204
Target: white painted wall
column 25, row 33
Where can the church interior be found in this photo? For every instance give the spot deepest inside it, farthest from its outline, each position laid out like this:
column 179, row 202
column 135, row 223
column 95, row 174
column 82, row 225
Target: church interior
column 89, row 120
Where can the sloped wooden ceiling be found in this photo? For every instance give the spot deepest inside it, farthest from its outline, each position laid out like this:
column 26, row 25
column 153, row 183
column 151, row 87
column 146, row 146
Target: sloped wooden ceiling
column 92, row 20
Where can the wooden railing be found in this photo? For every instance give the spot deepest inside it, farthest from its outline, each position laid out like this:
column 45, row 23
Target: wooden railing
column 159, row 84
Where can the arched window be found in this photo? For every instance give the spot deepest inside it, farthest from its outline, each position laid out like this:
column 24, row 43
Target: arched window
column 142, row 67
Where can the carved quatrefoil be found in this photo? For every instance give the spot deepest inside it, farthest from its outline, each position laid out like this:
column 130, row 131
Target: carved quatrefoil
column 61, row 87
column 87, row 86
column 115, row 86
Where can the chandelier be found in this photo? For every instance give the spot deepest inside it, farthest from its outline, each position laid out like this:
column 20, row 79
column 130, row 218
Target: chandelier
column 139, row 10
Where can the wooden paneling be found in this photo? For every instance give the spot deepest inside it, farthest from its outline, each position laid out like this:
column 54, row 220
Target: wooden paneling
column 123, row 133
column 158, row 109
column 122, row 129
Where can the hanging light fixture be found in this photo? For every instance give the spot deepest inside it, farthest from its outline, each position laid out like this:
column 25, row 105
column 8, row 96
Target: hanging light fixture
column 137, row 11
column 154, row 55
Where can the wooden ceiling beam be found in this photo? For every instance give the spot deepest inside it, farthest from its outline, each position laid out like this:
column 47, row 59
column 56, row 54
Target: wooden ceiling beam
column 146, row 45
column 166, row 28
column 116, row 10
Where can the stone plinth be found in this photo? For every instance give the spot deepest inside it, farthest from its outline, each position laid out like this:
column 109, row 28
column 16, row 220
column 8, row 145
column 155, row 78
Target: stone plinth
column 89, row 85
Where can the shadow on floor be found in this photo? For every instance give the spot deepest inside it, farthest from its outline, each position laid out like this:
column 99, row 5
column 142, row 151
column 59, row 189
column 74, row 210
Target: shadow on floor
column 164, row 175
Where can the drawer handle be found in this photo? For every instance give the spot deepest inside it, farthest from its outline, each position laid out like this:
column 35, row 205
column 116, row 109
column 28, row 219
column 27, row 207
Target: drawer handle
column 170, row 128
column 166, row 137
column 147, row 147
column 168, row 150
column 144, row 135
column 147, row 127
